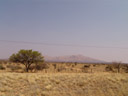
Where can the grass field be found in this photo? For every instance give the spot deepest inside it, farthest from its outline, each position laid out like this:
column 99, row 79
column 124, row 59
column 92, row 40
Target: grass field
column 64, row 79
column 63, row 84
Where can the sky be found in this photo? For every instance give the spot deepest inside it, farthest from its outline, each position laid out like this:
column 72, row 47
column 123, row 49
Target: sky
column 93, row 28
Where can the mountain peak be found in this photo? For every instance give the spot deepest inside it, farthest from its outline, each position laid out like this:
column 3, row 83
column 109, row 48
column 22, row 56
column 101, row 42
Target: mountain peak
column 73, row 58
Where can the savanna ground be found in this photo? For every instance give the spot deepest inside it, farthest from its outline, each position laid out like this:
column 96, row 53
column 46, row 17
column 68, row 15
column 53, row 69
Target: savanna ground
column 64, row 79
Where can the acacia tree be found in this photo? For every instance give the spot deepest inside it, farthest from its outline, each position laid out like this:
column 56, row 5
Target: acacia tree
column 27, row 57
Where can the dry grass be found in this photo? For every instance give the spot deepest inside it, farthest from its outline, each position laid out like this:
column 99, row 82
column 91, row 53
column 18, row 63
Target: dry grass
column 63, row 84
column 63, row 79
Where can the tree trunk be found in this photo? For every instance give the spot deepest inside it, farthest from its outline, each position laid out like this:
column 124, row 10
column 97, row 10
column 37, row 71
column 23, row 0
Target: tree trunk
column 27, row 67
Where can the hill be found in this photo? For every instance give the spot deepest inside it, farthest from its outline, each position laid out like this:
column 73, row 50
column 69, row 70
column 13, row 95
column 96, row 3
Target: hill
column 73, row 58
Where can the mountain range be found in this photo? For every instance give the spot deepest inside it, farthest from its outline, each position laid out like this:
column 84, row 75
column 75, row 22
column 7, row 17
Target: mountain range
column 73, row 58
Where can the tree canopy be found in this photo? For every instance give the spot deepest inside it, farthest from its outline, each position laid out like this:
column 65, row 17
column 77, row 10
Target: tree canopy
column 27, row 57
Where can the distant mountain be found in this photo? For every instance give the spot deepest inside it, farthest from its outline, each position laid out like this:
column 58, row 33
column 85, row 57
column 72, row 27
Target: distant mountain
column 73, row 58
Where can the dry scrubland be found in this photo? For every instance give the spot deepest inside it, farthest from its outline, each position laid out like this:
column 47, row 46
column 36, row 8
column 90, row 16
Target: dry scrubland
column 63, row 84
column 64, row 79
column 64, row 67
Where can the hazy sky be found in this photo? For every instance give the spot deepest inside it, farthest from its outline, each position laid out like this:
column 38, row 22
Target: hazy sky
column 100, row 23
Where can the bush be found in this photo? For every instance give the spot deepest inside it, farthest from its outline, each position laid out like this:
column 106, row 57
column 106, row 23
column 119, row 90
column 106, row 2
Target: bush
column 42, row 66
column 12, row 67
column 125, row 68
column 85, row 68
column 75, row 63
column 109, row 68
column 5, row 62
column 68, row 64
column 39, row 66
column 1, row 61
column 2, row 67
column 54, row 66
column 117, row 66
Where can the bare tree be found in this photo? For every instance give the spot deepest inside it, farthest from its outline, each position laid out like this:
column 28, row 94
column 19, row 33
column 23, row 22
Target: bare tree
column 117, row 65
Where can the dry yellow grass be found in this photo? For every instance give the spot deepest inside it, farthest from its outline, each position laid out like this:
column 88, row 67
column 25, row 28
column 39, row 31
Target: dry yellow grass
column 63, row 84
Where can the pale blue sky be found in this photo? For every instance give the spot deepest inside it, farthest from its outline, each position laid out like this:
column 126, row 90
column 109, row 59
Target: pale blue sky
column 75, row 22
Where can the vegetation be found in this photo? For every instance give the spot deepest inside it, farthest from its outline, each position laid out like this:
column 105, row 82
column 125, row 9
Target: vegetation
column 63, row 84
column 90, row 80
column 109, row 68
column 49, row 67
column 117, row 65
column 2, row 67
column 14, row 68
column 27, row 57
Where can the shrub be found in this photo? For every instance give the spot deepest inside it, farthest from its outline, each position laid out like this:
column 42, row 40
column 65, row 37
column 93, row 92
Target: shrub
column 75, row 63
column 54, row 66
column 12, row 67
column 94, row 65
column 85, row 68
column 42, row 66
column 1, row 61
column 68, row 64
column 39, row 66
column 117, row 65
column 2, row 67
column 125, row 68
column 109, row 68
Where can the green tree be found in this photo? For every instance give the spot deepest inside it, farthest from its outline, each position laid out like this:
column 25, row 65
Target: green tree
column 27, row 57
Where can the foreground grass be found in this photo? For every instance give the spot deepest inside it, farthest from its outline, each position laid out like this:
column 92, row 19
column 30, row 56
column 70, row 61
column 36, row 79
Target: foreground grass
column 63, row 84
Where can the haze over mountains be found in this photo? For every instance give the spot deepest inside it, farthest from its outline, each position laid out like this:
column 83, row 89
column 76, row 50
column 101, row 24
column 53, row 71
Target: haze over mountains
column 73, row 58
